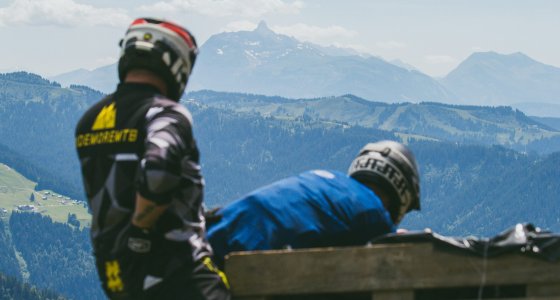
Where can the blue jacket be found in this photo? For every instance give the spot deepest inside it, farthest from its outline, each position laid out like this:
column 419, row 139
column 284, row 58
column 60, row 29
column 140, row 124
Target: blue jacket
column 314, row 209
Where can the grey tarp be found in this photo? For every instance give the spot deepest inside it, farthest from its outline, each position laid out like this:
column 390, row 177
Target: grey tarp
column 521, row 238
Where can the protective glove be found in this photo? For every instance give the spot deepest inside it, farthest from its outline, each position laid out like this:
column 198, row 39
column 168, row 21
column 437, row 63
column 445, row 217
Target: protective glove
column 213, row 216
column 139, row 240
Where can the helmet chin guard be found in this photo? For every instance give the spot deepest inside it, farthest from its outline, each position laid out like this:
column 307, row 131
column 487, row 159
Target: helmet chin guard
column 162, row 47
column 390, row 166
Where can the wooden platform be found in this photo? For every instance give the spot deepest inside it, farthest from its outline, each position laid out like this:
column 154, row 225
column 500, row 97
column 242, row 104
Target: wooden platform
column 394, row 271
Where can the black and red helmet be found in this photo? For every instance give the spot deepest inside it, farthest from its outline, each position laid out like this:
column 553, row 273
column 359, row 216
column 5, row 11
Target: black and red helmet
column 162, row 47
column 390, row 166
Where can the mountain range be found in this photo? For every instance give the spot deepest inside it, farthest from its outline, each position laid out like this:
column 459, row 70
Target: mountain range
column 263, row 62
column 266, row 63
column 495, row 79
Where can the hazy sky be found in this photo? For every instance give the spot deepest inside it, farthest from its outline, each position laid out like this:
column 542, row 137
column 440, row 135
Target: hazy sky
column 50, row 37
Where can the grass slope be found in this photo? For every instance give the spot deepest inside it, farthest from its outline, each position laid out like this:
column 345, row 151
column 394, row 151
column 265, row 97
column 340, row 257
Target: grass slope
column 16, row 190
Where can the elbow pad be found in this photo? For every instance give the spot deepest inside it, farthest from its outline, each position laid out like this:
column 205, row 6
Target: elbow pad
column 161, row 173
column 157, row 181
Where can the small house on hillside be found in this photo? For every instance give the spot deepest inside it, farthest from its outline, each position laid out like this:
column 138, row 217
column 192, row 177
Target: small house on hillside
column 26, row 207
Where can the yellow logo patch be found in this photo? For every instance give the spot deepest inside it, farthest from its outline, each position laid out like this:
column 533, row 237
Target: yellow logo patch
column 106, row 118
column 113, row 273
column 104, row 132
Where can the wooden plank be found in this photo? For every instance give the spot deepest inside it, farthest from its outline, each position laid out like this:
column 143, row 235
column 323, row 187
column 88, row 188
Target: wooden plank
column 393, row 295
column 544, row 289
column 322, row 270
column 529, row 298
column 379, row 267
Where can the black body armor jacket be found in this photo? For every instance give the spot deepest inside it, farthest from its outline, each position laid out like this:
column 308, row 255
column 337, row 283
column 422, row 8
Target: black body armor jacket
column 137, row 141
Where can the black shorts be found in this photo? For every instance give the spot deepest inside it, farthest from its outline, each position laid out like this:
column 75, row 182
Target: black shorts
column 125, row 278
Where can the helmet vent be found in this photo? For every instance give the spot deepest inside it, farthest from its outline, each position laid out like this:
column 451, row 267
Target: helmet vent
column 166, row 57
column 386, row 152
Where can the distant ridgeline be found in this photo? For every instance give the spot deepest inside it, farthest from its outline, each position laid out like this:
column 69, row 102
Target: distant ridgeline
column 424, row 121
column 25, row 78
column 50, row 256
column 246, row 141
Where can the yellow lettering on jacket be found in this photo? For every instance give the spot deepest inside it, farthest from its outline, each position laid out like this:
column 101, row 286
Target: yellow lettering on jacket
column 127, row 135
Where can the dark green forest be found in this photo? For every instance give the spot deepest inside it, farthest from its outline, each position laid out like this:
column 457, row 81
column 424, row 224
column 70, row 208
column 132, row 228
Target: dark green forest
column 8, row 262
column 476, row 190
column 12, row 288
column 243, row 152
column 58, row 256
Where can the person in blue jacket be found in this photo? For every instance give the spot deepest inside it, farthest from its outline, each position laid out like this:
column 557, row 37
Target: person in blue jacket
column 322, row 208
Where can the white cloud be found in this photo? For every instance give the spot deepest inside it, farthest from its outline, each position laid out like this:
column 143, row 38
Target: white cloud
column 60, row 13
column 440, row 59
column 240, row 26
column 390, row 45
column 223, row 8
column 330, row 35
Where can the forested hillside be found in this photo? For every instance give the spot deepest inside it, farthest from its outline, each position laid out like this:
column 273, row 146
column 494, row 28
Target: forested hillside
column 466, row 189
column 36, row 250
column 12, row 288
column 433, row 121
column 243, row 148
column 56, row 256
column 483, row 190
column 8, row 262
column 37, row 118
column 26, row 168
column 243, row 152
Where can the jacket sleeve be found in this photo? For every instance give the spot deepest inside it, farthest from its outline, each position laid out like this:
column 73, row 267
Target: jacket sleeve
column 171, row 158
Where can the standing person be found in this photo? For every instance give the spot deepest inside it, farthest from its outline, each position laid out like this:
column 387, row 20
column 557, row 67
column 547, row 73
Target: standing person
column 141, row 173
column 323, row 208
